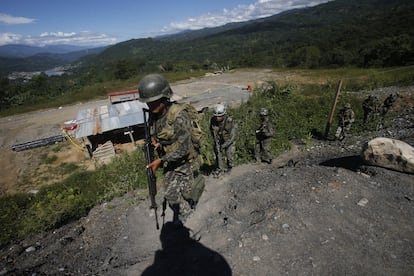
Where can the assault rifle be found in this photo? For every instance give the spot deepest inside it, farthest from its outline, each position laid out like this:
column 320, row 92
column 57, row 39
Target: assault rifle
column 217, row 150
column 149, row 154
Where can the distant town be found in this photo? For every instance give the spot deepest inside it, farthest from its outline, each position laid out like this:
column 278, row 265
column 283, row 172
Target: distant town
column 57, row 71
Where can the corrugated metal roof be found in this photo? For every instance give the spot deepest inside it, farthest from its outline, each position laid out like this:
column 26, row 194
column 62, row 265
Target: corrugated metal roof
column 104, row 118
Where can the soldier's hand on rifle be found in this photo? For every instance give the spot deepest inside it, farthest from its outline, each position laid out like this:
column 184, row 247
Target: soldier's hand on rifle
column 154, row 165
column 155, row 144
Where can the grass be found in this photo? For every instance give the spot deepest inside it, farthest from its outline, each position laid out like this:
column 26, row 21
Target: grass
column 54, row 205
column 299, row 111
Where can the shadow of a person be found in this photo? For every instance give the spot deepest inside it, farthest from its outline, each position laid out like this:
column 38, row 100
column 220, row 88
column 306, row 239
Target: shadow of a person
column 183, row 255
column 352, row 163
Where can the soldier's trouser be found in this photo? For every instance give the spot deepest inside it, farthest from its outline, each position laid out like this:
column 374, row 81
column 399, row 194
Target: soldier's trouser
column 262, row 150
column 339, row 133
column 218, row 158
column 177, row 184
column 230, row 151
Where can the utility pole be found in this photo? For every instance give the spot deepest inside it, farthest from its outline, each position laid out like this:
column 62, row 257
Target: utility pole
column 328, row 125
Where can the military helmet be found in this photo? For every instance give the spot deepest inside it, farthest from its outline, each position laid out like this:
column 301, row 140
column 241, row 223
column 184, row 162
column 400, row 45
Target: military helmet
column 263, row 112
column 347, row 105
column 153, row 87
column 219, row 110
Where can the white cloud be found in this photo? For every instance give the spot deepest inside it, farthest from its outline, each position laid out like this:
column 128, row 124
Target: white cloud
column 9, row 38
column 260, row 9
column 50, row 38
column 11, row 20
column 80, row 38
column 57, row 34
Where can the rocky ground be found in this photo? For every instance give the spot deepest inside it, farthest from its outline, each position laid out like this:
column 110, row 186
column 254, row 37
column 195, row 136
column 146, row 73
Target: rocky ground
column 316, row 210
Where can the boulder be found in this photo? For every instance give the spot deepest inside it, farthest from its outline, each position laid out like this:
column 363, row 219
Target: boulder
column 389, row 153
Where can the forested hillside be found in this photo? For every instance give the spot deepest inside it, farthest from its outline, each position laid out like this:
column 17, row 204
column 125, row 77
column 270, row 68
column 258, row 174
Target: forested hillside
column 341, row 33
column 367, row 33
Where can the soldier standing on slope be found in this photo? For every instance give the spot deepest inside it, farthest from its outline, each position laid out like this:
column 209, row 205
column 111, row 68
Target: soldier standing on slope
column 224, row 130
column 172, row 141
column 371, row 107
column 388, row 103
column 264, row 136
column 346, row 117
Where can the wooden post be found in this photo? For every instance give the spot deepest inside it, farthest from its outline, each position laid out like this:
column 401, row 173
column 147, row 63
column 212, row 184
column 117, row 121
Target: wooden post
column 328, row 125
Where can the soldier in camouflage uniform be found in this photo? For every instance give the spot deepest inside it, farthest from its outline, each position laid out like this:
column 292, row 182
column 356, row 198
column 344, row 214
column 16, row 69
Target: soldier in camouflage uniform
column 346, row 117
column 386, row 106
column 224, row 130
column 264, row 136
column 388, row 103
column 172, row 141
column 371, row 107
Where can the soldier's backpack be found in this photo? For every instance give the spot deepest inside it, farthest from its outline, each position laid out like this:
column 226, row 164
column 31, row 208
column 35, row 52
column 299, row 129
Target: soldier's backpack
column 197, row 134
column 198, row 139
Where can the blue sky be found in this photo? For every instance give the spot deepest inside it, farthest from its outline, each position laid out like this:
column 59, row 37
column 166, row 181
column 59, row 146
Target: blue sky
column 103, row 22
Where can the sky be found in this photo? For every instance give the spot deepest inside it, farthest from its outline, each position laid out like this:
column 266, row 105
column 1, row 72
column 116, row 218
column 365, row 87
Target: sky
column 106, row 22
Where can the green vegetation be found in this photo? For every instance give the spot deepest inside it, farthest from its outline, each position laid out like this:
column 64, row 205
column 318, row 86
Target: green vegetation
column 365, row 34
column 54, row 205
column 43, row 92
column 341, row 33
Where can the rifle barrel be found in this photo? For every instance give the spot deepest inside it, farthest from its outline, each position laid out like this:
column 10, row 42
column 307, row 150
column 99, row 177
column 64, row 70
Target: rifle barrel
column 152, row 181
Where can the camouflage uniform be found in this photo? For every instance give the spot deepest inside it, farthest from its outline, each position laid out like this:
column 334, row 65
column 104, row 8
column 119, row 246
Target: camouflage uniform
column 175, row 140
column 264, row 136
column 388, row 103
column 346, row 117
column 224, row 134
column 371, row 107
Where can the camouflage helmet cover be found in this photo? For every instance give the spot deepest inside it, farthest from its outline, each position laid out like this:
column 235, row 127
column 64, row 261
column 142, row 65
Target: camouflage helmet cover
column 219, row 110
column 347, row 105
column 153, row 87
column 263, row 112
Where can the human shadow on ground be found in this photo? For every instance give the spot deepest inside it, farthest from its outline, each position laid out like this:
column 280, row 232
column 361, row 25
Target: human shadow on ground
column 353, row 162
column 183, row 255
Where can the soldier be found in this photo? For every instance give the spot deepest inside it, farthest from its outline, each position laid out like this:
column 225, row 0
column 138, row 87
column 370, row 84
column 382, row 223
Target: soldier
column 172, row 141
column 371, row 107
column 388, row 103
column 223, row 129
column 346, row 117
column 264, row 136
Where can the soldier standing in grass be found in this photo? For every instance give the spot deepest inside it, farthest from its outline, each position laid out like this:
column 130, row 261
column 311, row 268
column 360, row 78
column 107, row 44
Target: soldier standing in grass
column 371, row 107
column 264, row 136
column 388, row 103
column 346, row 117
column 223, row 129
column 172, row 141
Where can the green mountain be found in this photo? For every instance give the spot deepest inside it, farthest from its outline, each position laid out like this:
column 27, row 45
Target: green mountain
column 22, row 58
column 364, row 33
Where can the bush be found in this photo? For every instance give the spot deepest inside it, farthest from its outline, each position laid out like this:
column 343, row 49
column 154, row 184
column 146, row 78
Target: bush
column 296, row 115
column 55, row 205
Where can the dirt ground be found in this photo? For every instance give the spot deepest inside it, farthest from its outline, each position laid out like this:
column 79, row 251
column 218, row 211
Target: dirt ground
column 316, row 210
